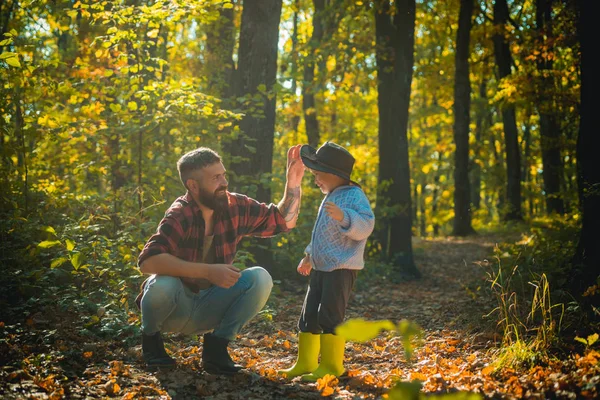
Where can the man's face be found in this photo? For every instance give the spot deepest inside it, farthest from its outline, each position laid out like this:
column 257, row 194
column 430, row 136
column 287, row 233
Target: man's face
column 211, row 186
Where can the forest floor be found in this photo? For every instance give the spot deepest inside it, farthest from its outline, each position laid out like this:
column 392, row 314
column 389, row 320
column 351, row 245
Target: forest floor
column 44, row 356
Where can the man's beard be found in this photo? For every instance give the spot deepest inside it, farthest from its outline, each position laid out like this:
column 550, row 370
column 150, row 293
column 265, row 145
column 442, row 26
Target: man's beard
column 216, row 200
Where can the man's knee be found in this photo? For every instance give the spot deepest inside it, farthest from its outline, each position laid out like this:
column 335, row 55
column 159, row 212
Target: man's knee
column 161, row 290
column 258, row 278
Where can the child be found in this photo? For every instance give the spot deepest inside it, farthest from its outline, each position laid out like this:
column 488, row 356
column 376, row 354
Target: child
column 333, row 257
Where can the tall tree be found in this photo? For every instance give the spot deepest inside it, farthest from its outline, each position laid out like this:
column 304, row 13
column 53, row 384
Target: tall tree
column 220, row 41
column 504, row 63
column 309, row 86
column 587, row 256
column 395, row 36
column 254, row 81
column 462, row 109
column 549, row 127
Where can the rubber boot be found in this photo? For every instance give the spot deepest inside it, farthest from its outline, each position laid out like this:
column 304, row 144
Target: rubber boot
column 153, row 352
column 308, row 356
column 215, row 357
column 332, row 358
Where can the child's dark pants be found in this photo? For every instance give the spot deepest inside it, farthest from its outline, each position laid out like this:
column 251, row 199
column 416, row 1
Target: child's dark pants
column 326, row 300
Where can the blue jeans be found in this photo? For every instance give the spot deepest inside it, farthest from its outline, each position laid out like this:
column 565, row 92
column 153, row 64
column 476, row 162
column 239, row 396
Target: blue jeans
column 169, row 306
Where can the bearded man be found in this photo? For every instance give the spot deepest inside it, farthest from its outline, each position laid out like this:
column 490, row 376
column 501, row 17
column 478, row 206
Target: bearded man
column 193, row 288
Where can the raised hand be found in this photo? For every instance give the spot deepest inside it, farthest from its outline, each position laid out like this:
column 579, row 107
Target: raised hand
column 334, row 211
column 304, row 266
column 295, row 167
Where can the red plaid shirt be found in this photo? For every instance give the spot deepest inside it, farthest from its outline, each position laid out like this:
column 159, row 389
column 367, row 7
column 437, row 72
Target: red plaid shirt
column 181, row 231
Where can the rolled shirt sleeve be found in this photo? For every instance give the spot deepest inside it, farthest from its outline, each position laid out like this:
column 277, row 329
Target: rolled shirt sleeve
column 166, row 239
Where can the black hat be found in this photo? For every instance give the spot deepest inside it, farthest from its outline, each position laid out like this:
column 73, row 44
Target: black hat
column 330, row 157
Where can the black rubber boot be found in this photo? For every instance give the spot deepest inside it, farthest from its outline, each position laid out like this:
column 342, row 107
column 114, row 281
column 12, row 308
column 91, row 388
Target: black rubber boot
column 153, row 351
column 215, row 357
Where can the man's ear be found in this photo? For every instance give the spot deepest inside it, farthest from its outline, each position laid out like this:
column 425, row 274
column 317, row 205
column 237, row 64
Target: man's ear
column 191, row 185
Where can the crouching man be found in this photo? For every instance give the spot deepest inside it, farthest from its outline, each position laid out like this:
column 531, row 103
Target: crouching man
column 193, row 288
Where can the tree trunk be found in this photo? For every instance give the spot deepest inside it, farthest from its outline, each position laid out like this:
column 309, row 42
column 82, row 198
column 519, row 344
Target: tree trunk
column 255, row 77
column 549, row 128
column 395, row 60
column 481, row 110
column 220, row 40
column 462, row 109
column 511, row 137
column 296, row 118
column 587, row 257
column 309, row 84
column 525, row 175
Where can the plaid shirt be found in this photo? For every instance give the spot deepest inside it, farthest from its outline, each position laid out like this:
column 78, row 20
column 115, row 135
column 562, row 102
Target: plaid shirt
column 181, row 231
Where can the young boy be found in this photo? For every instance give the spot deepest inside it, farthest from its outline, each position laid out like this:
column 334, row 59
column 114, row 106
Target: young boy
column 333, row 257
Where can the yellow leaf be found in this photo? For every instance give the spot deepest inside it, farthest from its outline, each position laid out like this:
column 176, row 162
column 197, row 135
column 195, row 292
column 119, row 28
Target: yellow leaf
column 98, row 53
column 132, row 105
column 13, row 62
column 152, row 34
column 592, row 339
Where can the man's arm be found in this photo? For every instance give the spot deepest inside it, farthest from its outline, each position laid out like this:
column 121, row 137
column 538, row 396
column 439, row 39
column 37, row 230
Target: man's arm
column 289, row 206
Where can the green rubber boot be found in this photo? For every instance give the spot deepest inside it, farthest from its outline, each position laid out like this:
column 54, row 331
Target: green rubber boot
column 332, row 358
column 308, row 356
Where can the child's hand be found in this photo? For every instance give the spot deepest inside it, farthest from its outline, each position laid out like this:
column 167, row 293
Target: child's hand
column 334, row 211
column 304, row 267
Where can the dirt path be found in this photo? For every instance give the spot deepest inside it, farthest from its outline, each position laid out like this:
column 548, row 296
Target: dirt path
column 448, row 303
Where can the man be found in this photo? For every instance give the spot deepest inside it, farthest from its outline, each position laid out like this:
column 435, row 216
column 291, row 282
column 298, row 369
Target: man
column 194, row 288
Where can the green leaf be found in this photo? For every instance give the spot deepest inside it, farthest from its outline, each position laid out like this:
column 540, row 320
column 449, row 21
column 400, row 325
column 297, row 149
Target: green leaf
column 460, row 396
column 57, row 262
column 407, row 331
column 70, row 244
column 115, row 108
column 8, row 54
column 76, row 260
column 13, row 62
column 93, row 321
column 359, row 330
column 49, row 229
column 5, row 42
column 48, row 243
column 581, row 340
column 405, row 391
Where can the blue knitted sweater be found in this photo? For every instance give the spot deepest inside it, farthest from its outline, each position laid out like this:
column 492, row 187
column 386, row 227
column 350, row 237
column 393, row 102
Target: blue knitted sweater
column 336, row 245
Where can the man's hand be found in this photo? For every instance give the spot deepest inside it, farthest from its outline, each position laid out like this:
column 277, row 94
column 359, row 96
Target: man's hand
column 305, row 266
column 295, row 167
column 223, row 275
column 334, row 211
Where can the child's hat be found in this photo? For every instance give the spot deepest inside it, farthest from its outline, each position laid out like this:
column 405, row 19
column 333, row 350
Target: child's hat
column 330, row 157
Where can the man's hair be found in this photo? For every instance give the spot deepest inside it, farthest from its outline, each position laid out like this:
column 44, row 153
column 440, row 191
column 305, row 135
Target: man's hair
column 194, row 160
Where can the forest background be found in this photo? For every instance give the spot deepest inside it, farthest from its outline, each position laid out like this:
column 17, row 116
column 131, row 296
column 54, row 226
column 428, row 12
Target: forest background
column 466, row 118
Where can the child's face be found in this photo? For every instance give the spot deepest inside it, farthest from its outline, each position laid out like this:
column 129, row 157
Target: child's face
column 327, row 182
